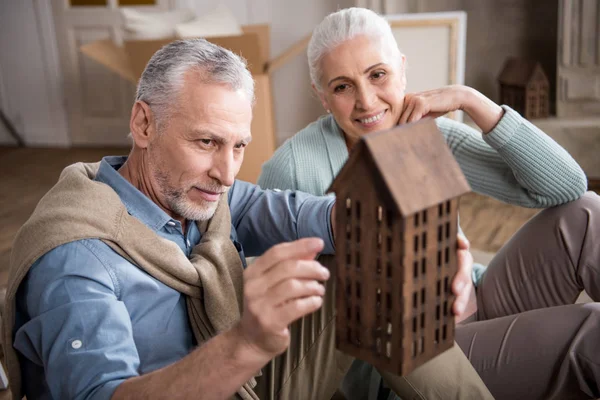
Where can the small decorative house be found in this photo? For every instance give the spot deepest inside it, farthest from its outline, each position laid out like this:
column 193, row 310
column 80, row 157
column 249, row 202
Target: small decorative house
column 525, row 87
column 396, row 237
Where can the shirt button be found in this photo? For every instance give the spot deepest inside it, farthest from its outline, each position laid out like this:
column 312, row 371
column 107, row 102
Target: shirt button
column 171, row 223
column 76, row 344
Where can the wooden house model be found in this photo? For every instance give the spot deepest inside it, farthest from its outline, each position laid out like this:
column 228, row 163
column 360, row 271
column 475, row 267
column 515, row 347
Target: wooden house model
column 396, row 238
column 525, row 87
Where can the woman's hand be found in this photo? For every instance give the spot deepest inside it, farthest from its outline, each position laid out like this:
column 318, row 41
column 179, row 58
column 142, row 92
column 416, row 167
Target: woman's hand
column 462, row 284
column 435, row 103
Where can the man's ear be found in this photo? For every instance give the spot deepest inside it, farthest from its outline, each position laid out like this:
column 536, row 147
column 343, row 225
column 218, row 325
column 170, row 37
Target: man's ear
column 142, row 124
column 321, row 97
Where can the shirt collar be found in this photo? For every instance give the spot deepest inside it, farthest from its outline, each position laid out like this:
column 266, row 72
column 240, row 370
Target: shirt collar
column 136, row 202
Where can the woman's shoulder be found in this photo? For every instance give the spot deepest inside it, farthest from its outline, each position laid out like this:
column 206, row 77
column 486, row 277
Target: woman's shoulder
column 313, row 133
column 309, row 136
column 309, row 142
column 301, row 156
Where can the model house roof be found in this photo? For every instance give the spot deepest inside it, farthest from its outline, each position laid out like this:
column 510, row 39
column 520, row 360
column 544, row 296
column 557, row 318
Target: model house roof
column 413, row 162
column 519, row 72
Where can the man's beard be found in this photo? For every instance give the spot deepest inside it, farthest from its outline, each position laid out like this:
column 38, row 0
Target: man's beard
column 180, row 204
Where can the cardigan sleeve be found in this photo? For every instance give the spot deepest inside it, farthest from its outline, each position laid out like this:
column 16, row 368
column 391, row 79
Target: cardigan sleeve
column 515, row 163
column 279, row 171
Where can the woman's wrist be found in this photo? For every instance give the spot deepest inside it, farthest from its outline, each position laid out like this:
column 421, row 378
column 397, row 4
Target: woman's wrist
column 484, row 112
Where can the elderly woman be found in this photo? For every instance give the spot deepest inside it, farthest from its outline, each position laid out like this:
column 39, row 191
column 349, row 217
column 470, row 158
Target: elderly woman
column 527, row 339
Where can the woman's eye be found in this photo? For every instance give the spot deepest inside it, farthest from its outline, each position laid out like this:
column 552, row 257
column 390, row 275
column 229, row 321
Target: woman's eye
column 340, row 88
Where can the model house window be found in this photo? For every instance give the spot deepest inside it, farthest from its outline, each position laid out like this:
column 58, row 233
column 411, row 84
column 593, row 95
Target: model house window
column 87, row 3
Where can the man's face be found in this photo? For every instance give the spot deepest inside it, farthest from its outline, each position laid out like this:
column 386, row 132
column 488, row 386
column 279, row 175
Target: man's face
column 195, row 157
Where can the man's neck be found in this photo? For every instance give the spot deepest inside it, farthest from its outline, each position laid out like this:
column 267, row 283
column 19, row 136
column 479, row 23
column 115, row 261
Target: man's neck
column 132, row 170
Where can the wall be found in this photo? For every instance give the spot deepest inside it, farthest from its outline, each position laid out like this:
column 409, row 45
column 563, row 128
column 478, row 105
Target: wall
column 290, row 21
column 497, row 30
column 296, row 105
column 5, row 137
column 30, row 75
column 30, row 69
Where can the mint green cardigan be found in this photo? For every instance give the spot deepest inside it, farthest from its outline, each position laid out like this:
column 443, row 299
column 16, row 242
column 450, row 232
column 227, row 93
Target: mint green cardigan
column 515, row 163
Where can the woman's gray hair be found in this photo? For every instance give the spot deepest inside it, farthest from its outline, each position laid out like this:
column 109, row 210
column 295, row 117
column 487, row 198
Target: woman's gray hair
column 164, row 74
column 341, row 26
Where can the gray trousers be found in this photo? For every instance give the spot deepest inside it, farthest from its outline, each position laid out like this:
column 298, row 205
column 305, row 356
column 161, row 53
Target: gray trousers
column 527, row 339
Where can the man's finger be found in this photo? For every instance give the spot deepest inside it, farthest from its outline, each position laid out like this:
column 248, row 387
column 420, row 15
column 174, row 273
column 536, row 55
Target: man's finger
column 294, row 309
column 304, row 269
column 292, row 289
column 463, row 274
column 460, row 304
column 461, row 284
column 306, row 248
column 463, row 242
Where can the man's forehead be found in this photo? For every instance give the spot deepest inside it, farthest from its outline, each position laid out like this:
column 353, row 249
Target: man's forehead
column 212, row 99
column 216, row 99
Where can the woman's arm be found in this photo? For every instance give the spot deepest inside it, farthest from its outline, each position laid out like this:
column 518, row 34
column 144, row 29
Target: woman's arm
column 513, row 161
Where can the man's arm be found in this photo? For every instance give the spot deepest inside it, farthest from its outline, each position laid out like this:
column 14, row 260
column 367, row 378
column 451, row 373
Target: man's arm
column 279, row 287
column 76, row 327
column 263, row 218
column 81, row 333
column 215, row 370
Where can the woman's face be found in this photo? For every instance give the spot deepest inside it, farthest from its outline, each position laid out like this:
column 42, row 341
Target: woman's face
column 363, row 85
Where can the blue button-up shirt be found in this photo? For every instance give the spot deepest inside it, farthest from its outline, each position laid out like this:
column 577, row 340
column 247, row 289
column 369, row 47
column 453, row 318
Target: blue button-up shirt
column 87, row 319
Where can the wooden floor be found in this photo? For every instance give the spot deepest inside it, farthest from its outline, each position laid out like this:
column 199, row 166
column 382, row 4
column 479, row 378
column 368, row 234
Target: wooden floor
column 489, row 223
column 26, row 174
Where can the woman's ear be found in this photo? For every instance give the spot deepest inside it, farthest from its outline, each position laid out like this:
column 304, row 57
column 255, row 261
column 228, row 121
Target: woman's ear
column 322, row 98
column 142, row 124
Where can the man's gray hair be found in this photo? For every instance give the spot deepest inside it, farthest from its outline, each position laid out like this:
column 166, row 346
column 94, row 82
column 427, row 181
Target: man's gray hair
column 163, row 76
column 341, row 26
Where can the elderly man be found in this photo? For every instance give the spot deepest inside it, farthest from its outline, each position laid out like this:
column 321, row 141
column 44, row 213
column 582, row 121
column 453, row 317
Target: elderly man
column 130, row 280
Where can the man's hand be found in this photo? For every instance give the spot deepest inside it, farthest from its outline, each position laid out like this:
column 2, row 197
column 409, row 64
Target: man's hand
column 462, row 285
column 279, row 287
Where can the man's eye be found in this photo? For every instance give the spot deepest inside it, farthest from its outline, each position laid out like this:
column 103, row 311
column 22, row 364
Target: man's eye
column 378, row 74
column 241, row 145
column 206, row 142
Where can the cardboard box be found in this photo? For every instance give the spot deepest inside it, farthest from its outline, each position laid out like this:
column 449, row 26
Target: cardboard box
column 130, row 60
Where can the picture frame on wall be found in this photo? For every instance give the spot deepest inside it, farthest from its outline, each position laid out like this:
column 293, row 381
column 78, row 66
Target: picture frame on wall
column 434, row 45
